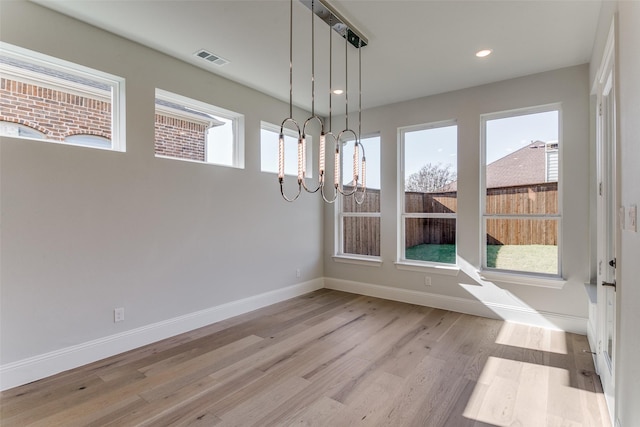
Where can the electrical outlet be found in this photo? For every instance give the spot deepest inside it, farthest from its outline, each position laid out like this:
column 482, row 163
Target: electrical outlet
column 298, row 273
column 427, row 280
column 118, row 314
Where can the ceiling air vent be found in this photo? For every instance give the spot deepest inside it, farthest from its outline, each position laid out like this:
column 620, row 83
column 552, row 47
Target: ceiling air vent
column 210, row 57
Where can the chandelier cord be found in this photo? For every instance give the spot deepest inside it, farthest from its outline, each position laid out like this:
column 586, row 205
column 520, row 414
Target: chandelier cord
column 346, row 81
column 313, row 61
column 364, row 158
column 291, row 59
column 330, row 72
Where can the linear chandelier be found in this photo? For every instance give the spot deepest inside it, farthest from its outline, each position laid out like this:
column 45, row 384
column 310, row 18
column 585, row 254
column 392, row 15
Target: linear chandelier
column 358, row 183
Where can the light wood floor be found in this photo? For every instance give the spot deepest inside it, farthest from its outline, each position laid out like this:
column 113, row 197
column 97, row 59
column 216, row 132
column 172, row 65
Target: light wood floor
column 330, row 359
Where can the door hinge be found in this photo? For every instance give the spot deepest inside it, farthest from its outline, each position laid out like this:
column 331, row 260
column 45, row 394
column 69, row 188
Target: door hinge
column 600, row 109
column 600, row 189
column 612, row 263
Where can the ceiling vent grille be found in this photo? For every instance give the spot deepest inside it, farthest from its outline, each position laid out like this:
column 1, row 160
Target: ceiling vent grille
column 210, row 57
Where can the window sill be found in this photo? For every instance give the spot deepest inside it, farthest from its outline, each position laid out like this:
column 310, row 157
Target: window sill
column 523, row 279
column 370, row 261
column 445, row 270
column 202, row 162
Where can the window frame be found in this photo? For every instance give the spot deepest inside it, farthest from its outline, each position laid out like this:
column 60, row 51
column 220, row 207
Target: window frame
column 117, row 84
column 402, row 262
column 237, row 123
column 270, row 127
column 339, row 254
column 519, row 276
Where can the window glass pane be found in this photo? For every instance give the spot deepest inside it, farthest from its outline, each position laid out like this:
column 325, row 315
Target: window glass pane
column 529, row 245
column 372, row 195
column 269, row 135
column 220, row 141
column 430, row 239
column 434, row 202
column 430, row 165
column 17, row 130
column 361, row 235
column 49, row 99
column 193, row 130
column 523, row 199
column 521, row 168
column 89, row 141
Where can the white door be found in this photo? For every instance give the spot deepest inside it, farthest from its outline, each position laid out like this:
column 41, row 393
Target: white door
column 607, row 224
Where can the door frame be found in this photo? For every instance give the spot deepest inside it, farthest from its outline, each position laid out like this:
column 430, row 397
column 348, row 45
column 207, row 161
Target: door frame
column 608, row 220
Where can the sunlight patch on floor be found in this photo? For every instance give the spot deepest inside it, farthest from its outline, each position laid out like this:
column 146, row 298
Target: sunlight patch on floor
column 532, row 338
column 513, row 393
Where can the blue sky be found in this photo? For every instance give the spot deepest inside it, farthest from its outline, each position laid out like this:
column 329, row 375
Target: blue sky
column 507, row 135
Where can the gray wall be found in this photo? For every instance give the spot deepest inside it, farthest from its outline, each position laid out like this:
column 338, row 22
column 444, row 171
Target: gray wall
column 86, row 230
column 570, row 87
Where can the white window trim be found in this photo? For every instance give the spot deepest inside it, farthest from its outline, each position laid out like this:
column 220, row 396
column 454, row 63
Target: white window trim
column 428, row 267
column 513, row 276
column 293, row 134
column 117, row 99
column 237, row 119
column 519, row 278
column 339, row 254
column 365, row 260
column 402, row 263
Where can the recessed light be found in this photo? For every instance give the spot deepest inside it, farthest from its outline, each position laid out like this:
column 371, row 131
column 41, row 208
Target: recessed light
column 483, row 53
column 337, row 91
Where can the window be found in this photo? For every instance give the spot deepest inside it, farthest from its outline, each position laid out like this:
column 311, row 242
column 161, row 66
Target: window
column 428, row 176
column 521, row 211
column 269, row 135
column 49, row 99
column 359, row 224
column 17, row 130
column 89, row 140
column 192, row 130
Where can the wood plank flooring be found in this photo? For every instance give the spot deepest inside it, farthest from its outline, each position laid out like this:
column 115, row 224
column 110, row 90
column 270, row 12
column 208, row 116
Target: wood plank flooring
column 330, row 358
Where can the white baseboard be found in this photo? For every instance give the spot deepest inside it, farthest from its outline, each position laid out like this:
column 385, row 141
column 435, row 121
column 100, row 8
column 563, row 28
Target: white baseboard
column 44, row 365
column 511, row 313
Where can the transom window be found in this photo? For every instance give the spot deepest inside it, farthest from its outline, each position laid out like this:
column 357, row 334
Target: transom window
column 428, row 202
column 520, row 180
column 188, row 129
column 52, row 100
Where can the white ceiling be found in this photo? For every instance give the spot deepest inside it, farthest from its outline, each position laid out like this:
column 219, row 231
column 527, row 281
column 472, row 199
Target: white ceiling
column 416, row 48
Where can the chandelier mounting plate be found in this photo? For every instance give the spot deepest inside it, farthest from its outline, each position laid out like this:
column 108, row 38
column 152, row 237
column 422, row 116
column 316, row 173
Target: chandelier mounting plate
column 339, row 23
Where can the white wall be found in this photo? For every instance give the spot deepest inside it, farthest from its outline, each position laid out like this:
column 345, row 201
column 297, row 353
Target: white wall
column 568, row 86
column 627, row 375
column 86, row 230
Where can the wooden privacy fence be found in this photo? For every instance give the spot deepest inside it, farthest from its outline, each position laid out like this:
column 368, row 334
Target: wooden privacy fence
column 523, row 199
column 362, row 234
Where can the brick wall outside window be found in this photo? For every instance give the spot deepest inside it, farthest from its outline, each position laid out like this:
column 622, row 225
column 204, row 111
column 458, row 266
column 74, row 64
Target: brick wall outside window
column 55, row 113
column 179, row 138
column 58, row 114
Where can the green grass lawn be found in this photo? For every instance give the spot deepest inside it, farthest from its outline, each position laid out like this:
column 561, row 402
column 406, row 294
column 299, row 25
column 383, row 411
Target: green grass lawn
column 533, row 258
column 433, row 253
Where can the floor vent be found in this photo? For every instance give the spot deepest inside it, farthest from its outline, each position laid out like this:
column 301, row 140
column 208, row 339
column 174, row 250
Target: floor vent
column 210, row 57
